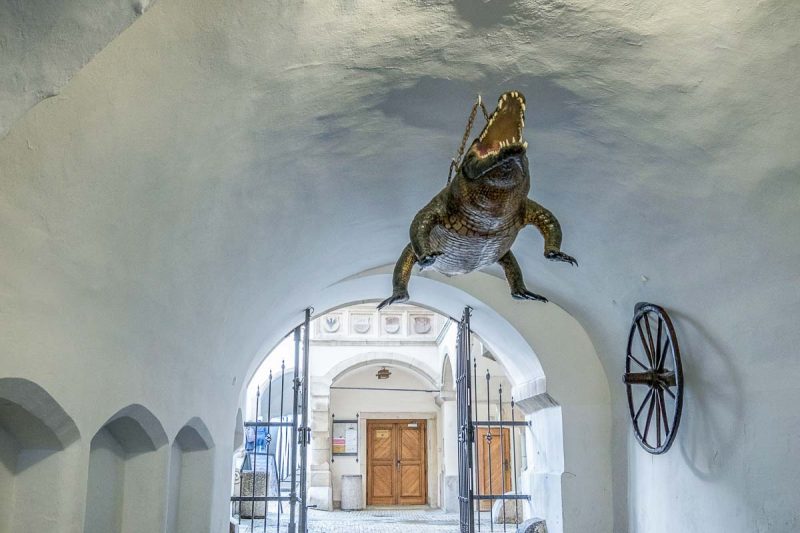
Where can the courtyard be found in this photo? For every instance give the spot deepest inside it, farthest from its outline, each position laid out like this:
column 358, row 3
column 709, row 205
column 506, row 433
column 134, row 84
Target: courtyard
column 392, row 520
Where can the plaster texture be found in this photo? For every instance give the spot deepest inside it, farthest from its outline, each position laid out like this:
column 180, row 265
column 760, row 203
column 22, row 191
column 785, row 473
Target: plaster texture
column 219, row 166
column 44, row 42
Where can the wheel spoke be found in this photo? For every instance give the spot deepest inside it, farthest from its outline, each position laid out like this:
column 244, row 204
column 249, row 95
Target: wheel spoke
column 637, row 361
column 663, row 412
column 658, row 344
column 649, row 417
column 671, row 394
column 650, row 337
column 663, row 357
column 658, row 420
column 644, row 344
column 641, row 407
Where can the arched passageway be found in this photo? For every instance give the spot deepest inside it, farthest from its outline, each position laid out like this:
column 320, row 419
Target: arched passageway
column 555, row 377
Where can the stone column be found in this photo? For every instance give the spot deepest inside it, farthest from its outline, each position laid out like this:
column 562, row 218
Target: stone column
column 320, row 490
column 446, row 400
column 542, row 476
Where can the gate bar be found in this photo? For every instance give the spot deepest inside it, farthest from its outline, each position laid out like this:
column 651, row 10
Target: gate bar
column 505, row 424
column 305, row 435
column 293, row 440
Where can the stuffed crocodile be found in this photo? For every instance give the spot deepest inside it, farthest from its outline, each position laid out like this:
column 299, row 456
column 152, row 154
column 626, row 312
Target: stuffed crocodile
column 474, row 220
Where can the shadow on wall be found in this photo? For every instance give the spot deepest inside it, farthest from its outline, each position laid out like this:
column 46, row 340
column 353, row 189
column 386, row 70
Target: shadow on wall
column 713, row 404
column 127, row 463
column 33, row 429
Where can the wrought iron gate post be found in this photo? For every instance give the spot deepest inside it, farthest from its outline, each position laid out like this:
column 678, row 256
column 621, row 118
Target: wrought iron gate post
column 466, row 437
column 304, row 431
column 293, row 461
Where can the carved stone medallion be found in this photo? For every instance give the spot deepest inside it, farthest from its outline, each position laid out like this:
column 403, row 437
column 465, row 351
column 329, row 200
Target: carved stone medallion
column 361, row 323
column 422, row 325
column 331, row 323
column 391, row 324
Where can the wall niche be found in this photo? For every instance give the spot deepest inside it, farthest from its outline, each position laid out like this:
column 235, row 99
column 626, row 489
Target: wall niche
column 191, row 471
column 127, row 474
column 34, row 432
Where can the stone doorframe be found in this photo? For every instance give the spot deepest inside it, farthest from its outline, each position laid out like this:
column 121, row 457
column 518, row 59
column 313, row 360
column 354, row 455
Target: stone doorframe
column 431, row 442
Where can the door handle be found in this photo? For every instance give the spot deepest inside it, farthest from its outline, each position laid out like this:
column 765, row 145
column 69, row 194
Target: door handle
column 398, row 464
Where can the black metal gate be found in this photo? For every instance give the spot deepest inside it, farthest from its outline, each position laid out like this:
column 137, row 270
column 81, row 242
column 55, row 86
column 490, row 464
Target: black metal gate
column 271, row 492
column 465, row 433
column 470, row 478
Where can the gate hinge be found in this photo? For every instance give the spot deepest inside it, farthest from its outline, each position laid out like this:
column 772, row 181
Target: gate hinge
column 303, row 435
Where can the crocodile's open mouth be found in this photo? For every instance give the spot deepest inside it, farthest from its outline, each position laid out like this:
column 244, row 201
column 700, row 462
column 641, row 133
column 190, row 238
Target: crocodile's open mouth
column 504, row 128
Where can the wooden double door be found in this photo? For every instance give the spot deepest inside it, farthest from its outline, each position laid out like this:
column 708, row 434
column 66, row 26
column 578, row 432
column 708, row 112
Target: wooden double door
column 397, row 463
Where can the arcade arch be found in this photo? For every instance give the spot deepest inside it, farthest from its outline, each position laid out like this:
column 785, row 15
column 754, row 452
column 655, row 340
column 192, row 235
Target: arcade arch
column 555, row 375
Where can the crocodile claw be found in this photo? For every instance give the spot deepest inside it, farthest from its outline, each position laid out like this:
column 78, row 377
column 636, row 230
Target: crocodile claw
column 555, row 255
column 525, row 294
column 397, row 297
column 428, row 259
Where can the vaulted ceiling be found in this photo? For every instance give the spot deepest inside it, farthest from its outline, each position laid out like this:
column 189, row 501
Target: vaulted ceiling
column 206, row 171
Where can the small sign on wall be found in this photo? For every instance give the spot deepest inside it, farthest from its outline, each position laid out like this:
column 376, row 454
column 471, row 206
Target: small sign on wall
column 344, row 437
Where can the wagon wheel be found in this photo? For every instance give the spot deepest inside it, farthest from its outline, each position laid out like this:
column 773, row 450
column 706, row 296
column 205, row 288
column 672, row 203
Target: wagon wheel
column 654, row 378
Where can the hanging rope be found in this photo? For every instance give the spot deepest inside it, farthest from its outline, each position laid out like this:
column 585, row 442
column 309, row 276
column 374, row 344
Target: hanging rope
column 470, row 122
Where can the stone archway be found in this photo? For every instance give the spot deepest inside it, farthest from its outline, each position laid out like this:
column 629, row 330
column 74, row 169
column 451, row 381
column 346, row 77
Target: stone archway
column 557, row 382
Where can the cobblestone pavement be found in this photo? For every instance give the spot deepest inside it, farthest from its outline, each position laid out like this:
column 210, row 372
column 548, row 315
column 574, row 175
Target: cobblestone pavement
column 376, row 521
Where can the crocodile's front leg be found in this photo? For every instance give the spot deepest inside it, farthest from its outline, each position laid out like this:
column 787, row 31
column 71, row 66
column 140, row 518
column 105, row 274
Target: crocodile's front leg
column 402, row 273
column 421, row 227
column 515, row 281
column 548, row 226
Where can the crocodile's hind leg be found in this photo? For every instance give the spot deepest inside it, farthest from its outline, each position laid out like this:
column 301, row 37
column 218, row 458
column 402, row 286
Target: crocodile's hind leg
column 515, row 281
column 548, row 226
column 402, row 273
column 421, row 227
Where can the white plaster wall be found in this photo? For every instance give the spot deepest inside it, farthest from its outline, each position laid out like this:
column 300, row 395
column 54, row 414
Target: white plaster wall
column 45, row 42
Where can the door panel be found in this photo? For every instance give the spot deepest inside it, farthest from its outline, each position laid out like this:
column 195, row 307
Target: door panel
column 410, row 477
column 396, row 463
column 495, row 468
column 413, row 483
column 382, row 486
column 381, row 468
